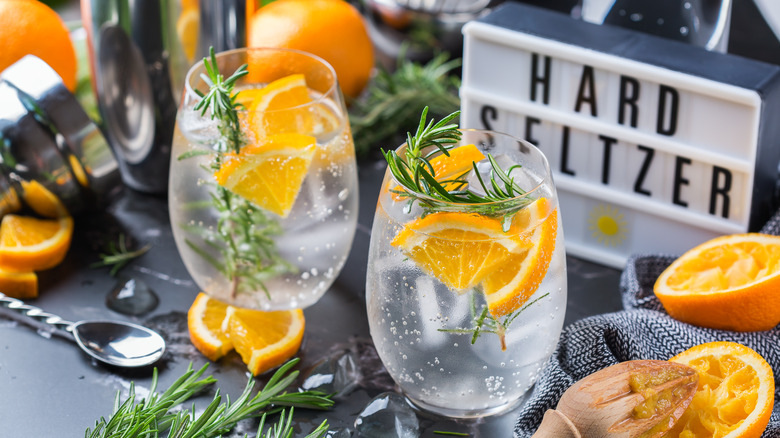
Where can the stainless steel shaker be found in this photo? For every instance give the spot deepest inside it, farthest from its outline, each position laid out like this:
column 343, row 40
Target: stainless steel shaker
column 133, row 59
column 47, row 139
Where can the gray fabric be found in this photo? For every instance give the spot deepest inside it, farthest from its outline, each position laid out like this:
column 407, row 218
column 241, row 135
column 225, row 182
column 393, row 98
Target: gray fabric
column 642, row 331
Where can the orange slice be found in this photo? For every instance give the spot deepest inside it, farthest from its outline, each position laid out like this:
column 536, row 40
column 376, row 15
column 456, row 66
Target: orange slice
column 513, row 282
column 205, row 321
column 278, row 108
column 459, row 249
column 728, row 283
column 270, row 174
column 19, row 285
column 30, row 244
column 735, row 396
column 42, row 200
column 460, row 161
column 265, row 340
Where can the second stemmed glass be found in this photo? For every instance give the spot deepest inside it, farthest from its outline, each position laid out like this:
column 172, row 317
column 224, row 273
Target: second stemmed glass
column 267, row 224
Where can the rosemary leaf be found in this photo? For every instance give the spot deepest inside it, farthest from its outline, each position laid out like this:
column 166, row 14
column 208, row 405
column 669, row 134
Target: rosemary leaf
column 119, row 255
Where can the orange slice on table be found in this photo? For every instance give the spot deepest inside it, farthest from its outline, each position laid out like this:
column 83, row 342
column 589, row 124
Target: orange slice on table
column 735, row 395
column 513, row 282
column 264, row 340
column 269, row 174
column 42, row 200
column 730, row 283
column 459, row 249
column 207, row 323
column 31, row 244
column 19, row 285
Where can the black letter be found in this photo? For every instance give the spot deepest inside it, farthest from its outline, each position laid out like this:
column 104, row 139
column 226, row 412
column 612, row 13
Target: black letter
column 544, row 79
column 675, row 102
column 529, row 122
column 679, row 180
column 565, row 152
column 608, row 142
column 587, row 81
column 643, row 171
column 717, row 189
column 629, row 99
column 483, row 115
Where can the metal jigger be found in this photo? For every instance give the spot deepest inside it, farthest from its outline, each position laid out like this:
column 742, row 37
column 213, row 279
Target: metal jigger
column 46, row 137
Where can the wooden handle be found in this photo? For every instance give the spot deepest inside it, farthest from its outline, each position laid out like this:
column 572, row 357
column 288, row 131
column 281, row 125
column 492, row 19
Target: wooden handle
column 556, row 425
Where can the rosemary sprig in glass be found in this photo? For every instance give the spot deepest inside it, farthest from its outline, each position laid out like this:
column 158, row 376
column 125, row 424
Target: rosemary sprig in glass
column 159, row 413
column 244, row 235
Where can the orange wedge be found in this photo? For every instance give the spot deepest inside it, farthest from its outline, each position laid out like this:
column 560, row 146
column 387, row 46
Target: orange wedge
column 270, row 174
column 445, row 168
column 265, row 340
column 730, row 283
column 278, row 108
column 30, row 244
column 42, row 200
column 513, row 282
column 19, row 285
column 459, row 249
column 205, row 321
column 735, row 396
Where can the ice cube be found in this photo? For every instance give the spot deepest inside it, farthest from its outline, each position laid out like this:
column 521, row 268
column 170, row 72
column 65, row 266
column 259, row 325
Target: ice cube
column 387, row 416
column 518, row 174
column 337, row 374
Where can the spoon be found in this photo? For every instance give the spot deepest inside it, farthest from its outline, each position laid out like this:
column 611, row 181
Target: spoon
column 121, row 344
column 633, row 399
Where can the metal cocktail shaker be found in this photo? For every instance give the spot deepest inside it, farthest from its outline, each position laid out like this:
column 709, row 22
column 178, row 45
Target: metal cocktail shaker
column 138, row 66
column 47, row 140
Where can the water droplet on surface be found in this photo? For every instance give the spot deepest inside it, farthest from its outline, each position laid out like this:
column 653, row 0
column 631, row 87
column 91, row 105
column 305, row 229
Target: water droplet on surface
column 387, row 416
column 132, row 296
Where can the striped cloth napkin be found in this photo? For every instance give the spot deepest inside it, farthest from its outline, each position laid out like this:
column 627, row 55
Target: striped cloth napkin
column 642, row 331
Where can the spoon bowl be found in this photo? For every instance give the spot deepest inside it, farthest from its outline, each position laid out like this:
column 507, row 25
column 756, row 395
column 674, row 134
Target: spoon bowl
column 117, row 343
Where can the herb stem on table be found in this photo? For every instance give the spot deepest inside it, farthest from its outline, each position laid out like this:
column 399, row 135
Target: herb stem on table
column 119, row 255
column 159, row 413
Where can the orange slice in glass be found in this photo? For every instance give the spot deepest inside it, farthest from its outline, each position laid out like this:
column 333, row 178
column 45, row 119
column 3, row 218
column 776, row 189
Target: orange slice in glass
column 459, row 249
column 735, row 395
column 279, row 107
column 512, row 283
column 31, row 244
column 269, row 174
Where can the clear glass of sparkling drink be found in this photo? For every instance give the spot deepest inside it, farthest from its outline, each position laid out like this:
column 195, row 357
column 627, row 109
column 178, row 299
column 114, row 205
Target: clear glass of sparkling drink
column 263, row 192
column 466, row 286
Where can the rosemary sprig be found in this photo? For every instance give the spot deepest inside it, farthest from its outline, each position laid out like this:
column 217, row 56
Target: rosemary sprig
column 283, row 429
column 244, row 235
column 417, row 176
column 393, row 100
column 154, row 416
column 484, row 322
column 119, row 255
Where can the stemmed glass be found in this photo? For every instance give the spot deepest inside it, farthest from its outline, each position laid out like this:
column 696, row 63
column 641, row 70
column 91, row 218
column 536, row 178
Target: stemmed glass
column 466, row 300
column 267, row 224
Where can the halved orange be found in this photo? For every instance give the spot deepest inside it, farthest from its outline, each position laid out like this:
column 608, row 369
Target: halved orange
column 735, row 395
column 207, row 323
column 513, row 282
column 265, row 340
column 269, row 174
column 19, row 285
column 31, row 244
column 728, row 283
column 459, row 249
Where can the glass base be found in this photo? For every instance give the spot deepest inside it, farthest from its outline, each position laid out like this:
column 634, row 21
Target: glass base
column 463, row 413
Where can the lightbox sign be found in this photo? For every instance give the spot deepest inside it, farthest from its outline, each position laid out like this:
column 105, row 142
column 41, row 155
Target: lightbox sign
column 655, row 145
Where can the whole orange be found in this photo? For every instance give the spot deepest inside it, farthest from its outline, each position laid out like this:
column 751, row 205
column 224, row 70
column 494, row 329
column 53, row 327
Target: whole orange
column 32, row 28
column 331, row 29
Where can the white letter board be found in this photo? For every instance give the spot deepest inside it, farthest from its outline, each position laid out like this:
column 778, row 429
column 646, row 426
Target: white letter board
column 655, row 145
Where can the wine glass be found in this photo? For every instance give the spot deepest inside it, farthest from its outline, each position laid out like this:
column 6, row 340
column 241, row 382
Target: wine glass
column 466, row 301
column 264, row 210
